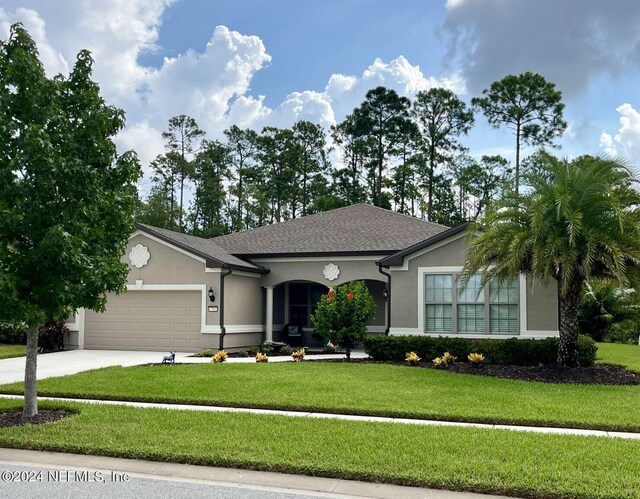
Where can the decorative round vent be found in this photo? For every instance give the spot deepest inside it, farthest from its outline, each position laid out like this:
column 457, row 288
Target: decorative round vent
column 139, row 256
column 331, row 272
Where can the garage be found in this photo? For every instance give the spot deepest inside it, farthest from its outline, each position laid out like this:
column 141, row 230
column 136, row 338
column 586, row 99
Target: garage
column 147, row 320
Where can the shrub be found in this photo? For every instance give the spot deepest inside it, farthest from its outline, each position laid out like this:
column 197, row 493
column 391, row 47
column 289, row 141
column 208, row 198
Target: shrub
column 219, row 357
column 243, row 353
column 412, row 358
column 261, row 357
column 254, row 350
column 298, row 355
column 286, row 350
column 13, row 333
column 51, row 336
column 526, row 352
column 475, row 358
column 206, row 352
column 343, row 314
column 444, row 360
column 329, row 348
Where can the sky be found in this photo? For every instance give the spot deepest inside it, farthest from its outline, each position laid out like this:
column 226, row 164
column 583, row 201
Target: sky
column 272, row 62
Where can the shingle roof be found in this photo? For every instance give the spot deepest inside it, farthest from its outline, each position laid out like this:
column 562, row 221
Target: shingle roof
column 208, row 249
column 360, row 228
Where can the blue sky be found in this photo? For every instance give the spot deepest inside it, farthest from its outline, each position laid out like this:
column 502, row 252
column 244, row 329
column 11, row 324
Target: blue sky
column 259, row 62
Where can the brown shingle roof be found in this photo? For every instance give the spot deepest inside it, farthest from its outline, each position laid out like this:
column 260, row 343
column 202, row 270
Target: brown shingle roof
column 208, row 249
column 360, row 228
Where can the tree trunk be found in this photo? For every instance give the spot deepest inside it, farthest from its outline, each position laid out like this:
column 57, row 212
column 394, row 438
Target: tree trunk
column 30, row 375
column 568, row 347
column 348, row 350
column 518, row 158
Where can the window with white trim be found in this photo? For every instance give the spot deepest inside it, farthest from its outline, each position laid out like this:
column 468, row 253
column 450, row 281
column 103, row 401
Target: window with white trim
column 490, row 309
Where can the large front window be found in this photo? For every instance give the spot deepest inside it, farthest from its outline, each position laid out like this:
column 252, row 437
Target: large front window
column 303, row 300
column 491, row 309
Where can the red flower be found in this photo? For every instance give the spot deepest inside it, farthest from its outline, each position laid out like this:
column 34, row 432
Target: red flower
column 350, row 296
column 330, row 293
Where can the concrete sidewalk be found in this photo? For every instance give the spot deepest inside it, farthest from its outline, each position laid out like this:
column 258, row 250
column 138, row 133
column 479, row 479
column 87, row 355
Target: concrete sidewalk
column 228, row 477
column 346, row 417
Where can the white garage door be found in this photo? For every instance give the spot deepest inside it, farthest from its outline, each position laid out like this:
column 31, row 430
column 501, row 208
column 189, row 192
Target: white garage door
column 147, row 320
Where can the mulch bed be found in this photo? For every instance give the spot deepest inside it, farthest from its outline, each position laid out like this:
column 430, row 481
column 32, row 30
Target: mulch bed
column 601, row 374
column 44, row 416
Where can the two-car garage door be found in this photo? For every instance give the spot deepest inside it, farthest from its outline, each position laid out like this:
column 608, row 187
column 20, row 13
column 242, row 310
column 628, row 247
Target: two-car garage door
column 147, row 320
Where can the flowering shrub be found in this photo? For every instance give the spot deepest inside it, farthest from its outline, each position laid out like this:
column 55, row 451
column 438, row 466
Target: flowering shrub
column 51, row 337
column 261, row 357
column 476, row 358
column 298, row 355
column 412, row 359
column 343, row 314
column 219, row 357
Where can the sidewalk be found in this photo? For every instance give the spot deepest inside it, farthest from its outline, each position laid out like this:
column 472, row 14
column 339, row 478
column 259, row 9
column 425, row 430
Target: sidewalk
column 228, row 477
column 347, row 417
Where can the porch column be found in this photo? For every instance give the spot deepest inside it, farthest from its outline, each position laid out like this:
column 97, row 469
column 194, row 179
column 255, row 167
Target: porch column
column 269, row 324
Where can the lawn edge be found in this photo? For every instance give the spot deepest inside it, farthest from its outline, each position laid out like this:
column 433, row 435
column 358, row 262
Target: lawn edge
column 338, row 411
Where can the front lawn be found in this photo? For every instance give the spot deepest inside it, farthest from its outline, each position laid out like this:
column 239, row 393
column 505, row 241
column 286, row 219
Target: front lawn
column 619, row 354
column 374, row 389
column 491, row 461
column 9, row 351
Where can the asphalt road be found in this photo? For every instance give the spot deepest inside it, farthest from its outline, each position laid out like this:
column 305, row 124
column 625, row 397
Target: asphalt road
column 24, row 482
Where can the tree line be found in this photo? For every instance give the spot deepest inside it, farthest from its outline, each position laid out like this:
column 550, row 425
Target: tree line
column 391, row 151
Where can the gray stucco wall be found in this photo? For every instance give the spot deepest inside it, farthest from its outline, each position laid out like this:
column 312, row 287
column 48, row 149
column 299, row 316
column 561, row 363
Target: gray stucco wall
column 243, row 300
column 311, row 270
column 541, row 299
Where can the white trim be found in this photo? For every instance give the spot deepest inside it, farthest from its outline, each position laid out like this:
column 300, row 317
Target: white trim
column 405, row 331
column 161, row 241
column 439, row 244
column 534, row 335
column 235, row 329
column 218, row 270
column 269, row 314
column 328, row 258
column 178, row 287
column 80, row 315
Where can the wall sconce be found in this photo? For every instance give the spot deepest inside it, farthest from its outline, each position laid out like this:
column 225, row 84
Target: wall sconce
column 212, row 297
column 385, row 294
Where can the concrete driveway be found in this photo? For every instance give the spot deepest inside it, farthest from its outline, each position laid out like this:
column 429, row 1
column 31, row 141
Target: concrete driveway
column 75, row 361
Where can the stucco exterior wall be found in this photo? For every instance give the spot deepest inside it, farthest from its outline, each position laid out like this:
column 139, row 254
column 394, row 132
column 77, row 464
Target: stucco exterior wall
column 243, row 300
column 311, row 269
column 541, row 299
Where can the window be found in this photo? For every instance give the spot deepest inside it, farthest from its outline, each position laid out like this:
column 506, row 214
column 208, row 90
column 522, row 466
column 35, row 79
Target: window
column 438, row 303
column 490, row 309
column 303, row 300
column 503, row 306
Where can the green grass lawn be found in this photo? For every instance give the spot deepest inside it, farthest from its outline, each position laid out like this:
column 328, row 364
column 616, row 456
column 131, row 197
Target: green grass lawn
column 375, row 389
column 8, row 351
column 492, row 461
column 619, row 354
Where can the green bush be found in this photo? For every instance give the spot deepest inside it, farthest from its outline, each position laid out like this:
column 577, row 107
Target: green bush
column 286, row 350
column 13, row 333
column 207, row 352
column 514, row 351
column 243, row 353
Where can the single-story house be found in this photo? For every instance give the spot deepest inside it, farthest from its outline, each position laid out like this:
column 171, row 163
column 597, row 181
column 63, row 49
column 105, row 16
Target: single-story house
column 185, row 293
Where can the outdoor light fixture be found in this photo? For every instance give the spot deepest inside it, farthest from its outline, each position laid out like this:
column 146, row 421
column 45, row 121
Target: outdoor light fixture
column 385, row 293
column 212, row 297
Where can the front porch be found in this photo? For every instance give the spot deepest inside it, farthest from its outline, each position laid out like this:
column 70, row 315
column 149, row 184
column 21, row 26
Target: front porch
column 290, row 305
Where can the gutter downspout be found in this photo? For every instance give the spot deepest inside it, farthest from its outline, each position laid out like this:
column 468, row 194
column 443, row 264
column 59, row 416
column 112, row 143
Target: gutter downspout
column 386, row 331
column 223, row 330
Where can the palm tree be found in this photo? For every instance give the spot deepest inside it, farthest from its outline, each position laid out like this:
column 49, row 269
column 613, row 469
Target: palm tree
column 575, row 221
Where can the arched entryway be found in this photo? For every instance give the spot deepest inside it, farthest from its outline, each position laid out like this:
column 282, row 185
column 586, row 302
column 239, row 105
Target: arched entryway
column 292, row 304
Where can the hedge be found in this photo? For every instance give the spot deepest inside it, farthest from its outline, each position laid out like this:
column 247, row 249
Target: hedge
column 513, row 351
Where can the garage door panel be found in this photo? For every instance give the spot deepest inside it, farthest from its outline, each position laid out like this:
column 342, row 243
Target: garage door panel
column 147, row 320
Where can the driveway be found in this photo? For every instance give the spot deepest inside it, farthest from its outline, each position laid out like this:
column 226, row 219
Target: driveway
column 75, row 361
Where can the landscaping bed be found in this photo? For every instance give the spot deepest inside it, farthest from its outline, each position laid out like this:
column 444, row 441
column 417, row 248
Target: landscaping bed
column 601, row 374
column 14, row 418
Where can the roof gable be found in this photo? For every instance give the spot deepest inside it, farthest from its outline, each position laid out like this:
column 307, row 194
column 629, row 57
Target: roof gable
column 213, row 254
column 355, row 229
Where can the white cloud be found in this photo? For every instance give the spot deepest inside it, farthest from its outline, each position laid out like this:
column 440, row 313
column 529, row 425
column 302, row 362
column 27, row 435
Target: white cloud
column 211, row 84
column 626, row 142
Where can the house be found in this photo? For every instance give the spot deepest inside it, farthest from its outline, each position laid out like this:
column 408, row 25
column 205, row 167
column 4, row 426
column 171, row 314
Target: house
column 185, row 293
